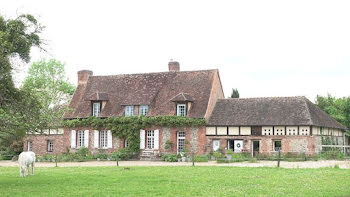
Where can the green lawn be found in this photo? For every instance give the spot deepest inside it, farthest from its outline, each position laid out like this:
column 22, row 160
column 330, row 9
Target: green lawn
column 175, row 181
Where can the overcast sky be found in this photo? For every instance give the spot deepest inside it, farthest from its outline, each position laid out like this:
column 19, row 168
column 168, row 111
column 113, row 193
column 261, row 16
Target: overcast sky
column 263, row 48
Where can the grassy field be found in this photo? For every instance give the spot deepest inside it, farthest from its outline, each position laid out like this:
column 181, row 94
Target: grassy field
column 175, row 181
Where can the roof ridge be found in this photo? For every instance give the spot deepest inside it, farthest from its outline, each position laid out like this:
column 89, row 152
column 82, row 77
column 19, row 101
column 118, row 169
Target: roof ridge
column 262, row 97
column 152, row 73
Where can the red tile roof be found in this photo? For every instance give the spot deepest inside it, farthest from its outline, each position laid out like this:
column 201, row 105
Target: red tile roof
column 153, row 89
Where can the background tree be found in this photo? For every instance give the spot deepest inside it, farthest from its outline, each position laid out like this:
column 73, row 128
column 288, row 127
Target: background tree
column 337, row 108
column 235, row 93
column 19, row 109
column 48, row 81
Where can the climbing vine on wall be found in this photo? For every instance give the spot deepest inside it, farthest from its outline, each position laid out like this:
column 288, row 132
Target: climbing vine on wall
column 129, row 127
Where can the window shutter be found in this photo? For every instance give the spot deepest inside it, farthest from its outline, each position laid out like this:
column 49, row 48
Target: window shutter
column 109, row 139
column 86, row 138
column 96, row 138
column 156, row 139
column 73, row 139
column 142, row 139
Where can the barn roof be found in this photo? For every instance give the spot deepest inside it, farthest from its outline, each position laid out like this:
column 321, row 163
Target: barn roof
column 269, row 111
column 154, row 89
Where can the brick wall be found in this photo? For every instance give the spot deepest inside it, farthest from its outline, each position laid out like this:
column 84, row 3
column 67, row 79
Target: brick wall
column 215, row 93
column 39, row 143
column 306, row 144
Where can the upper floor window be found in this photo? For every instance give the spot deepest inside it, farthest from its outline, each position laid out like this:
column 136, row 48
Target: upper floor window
column 181, row 110
column 143, row 110
column 96, row 109
column 129, row 110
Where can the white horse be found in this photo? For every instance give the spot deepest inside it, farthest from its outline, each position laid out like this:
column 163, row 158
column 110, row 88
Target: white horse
column 26, row 159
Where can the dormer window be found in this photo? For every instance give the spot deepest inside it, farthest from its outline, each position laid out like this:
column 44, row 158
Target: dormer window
column 129, row 110
column 143, row 110
column 181, row 110
column 96, row 109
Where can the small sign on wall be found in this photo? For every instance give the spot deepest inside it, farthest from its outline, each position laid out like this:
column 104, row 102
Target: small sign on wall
column 216, row 145
column 238, row 145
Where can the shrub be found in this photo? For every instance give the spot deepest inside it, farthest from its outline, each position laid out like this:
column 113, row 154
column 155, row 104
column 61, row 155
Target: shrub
column 237, row 157
column 165, row 157
column 123, row 154
column 229, row 152
column 172, row 158
column 218, row 155
column 83, row 151
column 101, row 156
column 201, row 158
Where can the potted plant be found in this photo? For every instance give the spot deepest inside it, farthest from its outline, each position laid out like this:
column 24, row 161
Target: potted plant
column 229, row 154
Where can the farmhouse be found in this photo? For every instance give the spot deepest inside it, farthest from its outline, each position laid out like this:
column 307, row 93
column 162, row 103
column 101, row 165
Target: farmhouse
column 253, row 125
column 265, row 125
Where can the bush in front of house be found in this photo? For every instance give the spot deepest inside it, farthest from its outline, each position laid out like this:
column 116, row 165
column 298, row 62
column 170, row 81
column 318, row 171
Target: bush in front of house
column 170, row 157
column 201, row 158
column 122, row 154
column 102, row 156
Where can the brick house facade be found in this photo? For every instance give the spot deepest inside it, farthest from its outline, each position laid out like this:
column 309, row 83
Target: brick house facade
column 191, row 94
column 256, row 124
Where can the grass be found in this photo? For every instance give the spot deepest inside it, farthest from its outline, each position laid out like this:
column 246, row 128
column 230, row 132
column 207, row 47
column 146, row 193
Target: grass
column 175, row 181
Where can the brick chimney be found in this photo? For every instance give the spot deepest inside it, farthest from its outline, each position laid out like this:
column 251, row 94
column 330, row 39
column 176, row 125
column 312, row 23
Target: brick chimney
column 174, row 66
column 83, row 76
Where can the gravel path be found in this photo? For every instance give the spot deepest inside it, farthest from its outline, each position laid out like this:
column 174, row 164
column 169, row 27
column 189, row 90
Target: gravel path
column 305, row 164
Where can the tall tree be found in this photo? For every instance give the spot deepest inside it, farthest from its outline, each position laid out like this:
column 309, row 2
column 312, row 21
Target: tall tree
column 19, row 109
column 235, row 93
column 338, row 108
column 48, row 81
column 17, row 36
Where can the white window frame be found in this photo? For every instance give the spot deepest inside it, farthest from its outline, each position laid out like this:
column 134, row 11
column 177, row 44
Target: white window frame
column 150, row 139
column 129, row 110
column 181, row 110
column 143, row 110
column 103, row 139
column 80, row 139
column 29, row 145
column 181, row 138
column 96, row 109
column 126, row 143
column 49, row 146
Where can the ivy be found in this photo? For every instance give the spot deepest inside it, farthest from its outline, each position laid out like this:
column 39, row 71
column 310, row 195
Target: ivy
column 129, row 127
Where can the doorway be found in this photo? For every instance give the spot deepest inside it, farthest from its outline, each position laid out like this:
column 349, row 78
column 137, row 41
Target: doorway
column 255, row 148
column 235, row 145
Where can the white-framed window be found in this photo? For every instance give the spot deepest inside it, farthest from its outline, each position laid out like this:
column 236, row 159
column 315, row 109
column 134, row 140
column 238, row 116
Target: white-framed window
column 180, row 141
column 29, row 145
column 143, row 110
column 277, row 145
column 96, row 109
column 103, row 139
column 150, row 139
column 126, row 143
column 181, row 110
column 129, row 110
column 49, row 146
column 80, row 139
